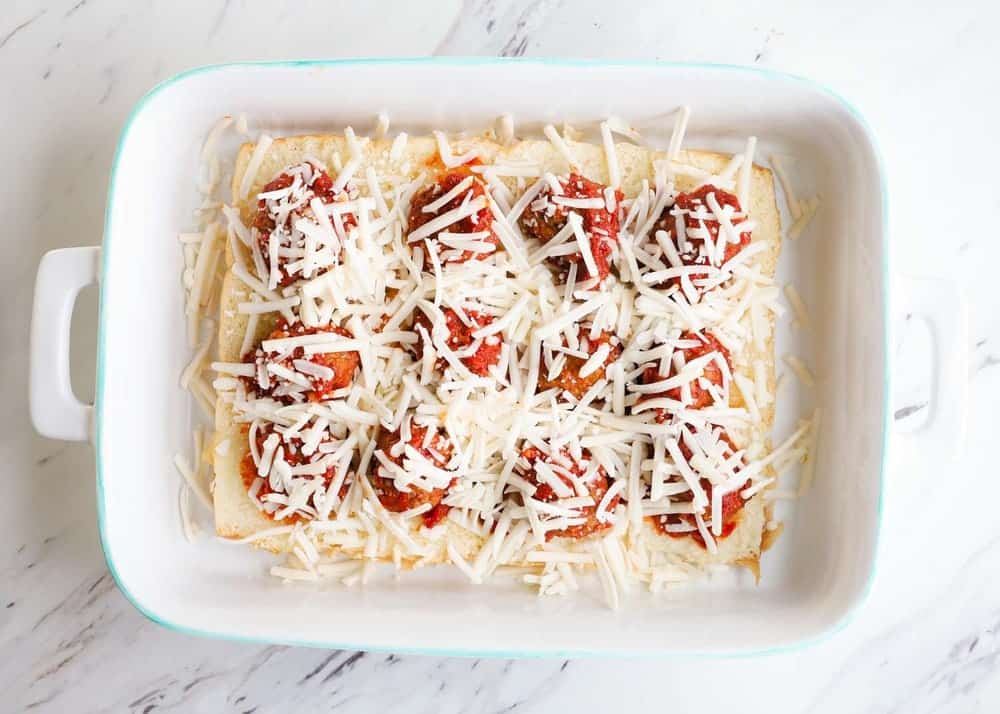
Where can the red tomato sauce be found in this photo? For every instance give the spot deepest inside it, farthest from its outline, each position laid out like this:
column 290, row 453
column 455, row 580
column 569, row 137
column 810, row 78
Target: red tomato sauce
column 599, row 224
column 696, row 201
column 292, row 453
column 438, row 452
column 569, row 378
column 480, row 221
column 597, row 486
column 700, row 396
column 321, row 188
column 343, row 364
column 732, row 506
column 460, row 337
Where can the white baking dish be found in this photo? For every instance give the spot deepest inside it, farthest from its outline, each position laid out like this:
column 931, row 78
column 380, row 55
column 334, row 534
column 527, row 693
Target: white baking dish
column 816, row 576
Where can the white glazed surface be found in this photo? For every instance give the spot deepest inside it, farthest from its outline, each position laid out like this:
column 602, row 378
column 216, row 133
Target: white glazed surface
column 811, row 580
column 926, row 641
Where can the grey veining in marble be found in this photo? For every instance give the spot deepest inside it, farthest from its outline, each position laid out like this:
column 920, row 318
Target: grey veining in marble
column 928, row 640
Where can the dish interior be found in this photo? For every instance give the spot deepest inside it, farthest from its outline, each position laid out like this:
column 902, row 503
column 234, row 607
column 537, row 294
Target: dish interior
column 815, row 575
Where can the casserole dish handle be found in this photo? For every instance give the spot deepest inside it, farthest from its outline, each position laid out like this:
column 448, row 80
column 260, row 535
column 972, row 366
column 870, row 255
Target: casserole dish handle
column 942, row 306
column 55, row 411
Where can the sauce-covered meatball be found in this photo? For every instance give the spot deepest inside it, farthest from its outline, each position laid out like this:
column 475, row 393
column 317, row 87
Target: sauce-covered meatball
column 434, row 447
column 470, row 237
column 295, row 375
column 547, row 215
column 561, row 466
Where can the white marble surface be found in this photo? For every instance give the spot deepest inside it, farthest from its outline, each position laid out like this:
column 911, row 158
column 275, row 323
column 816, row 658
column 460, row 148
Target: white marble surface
column 929, row 639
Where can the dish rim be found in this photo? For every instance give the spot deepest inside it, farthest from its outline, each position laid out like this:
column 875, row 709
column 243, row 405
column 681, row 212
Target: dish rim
column 887, row 334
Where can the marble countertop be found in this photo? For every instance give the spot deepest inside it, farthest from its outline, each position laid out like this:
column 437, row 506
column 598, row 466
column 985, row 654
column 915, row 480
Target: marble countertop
column 929, row 638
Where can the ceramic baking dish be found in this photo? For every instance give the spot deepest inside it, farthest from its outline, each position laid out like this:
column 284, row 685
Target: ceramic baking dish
column 813, row 580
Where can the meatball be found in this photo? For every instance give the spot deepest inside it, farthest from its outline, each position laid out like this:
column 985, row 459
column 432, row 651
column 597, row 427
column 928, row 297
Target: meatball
column 561, row 464
column 278, row 215
column 547, row 216
column 486, row 355
column 480, row 222
column 732, row 504
column 289, row 450
column 692, row 204
column 569, row 378
column 700, row 396
column 438, row 451
column 293, row 377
